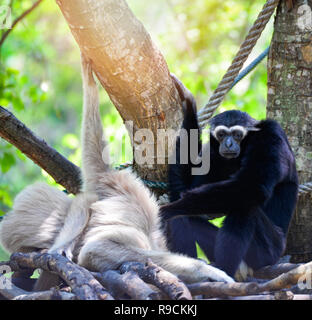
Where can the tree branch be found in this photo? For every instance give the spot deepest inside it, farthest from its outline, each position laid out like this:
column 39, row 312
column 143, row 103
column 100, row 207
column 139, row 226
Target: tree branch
column 171, row 285
column 133, row 72
column 81, row 281
column 17, row 20
column 12, row 292
column 63, row 171
column 128, row 283
column 271, row 272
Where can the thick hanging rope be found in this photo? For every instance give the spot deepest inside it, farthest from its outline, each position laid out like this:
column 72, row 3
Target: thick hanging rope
column 238, row 62
column 305, row 188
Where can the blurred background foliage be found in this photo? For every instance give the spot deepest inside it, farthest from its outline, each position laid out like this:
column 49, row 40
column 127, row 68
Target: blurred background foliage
column 40, row 73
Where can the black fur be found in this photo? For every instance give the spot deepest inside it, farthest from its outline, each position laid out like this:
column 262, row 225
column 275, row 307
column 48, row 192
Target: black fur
column 257, row 191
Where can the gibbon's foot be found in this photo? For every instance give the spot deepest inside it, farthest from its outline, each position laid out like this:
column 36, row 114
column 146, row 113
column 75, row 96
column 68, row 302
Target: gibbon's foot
column 243, row 272
column 218, row 275
column 206, row 272
column 66, row 251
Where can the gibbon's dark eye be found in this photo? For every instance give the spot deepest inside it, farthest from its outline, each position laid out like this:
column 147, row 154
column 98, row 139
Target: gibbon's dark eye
column 237, row 135
column 221, row 135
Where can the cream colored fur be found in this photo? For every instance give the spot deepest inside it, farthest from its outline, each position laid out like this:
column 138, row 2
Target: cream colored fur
column 113, row 221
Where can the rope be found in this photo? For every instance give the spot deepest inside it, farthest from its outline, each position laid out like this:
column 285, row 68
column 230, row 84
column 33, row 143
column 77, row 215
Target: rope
column 151, row 184
column 238, row 62
column 245, row 72
column 251, row 66
column 303, row 188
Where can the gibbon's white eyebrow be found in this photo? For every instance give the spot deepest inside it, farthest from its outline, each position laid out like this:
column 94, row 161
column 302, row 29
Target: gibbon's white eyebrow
column 229, row 130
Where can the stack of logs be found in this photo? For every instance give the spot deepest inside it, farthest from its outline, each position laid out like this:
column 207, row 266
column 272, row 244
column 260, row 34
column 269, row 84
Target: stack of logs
column 138, row 281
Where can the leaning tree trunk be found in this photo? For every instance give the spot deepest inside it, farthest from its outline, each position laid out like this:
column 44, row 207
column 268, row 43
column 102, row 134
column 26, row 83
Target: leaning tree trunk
column 131, row 69
column 290, row 102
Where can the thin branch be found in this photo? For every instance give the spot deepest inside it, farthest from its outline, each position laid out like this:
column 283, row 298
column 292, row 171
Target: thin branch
column 52, row 294
column 271, row 272
column 63, row 171
column 17, row 20
column 12, row 292
column 286, row 280
column 220, row 289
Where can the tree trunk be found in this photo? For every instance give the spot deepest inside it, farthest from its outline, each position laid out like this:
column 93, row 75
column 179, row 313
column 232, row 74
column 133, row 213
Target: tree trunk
column 290, row 103
column 131, row 69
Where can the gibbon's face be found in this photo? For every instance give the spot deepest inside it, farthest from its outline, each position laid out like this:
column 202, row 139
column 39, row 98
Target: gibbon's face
column 229, row 140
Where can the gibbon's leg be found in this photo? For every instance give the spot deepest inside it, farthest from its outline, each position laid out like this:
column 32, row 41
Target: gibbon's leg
column 181, row 237
column 267, row 245
column 187, row 269
column 251, row 238
column 36, row 219
column 75, row 222
column 105, row 255
column 95, row 156
column 205, row 235
column 232, row 241
column 184, row 232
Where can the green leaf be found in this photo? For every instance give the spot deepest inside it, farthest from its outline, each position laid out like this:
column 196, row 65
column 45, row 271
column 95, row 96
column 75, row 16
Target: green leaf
column 7, row 162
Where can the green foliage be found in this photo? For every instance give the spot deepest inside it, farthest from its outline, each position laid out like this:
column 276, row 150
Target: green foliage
column 3, row 255
column 40, row 74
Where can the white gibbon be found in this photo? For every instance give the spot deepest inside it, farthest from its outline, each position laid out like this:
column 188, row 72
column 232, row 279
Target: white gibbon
column 115, row 219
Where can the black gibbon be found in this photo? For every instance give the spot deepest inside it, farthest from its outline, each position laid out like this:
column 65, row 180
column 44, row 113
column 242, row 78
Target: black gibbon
column 252, row 181
column 115, row 219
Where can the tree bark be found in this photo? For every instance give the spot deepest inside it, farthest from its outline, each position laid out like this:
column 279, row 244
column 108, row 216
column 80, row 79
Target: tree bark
column 290, row 103
column 130, row 68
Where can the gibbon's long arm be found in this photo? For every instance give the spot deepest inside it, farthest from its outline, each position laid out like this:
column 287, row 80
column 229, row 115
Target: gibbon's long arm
column 251, row 186
column 95, row 159
column 93, row 146
column 75, row 222
column 180, row 174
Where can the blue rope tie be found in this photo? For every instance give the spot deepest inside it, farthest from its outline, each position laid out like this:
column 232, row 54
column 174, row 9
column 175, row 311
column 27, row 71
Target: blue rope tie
column 251, row 66
column 246, row 71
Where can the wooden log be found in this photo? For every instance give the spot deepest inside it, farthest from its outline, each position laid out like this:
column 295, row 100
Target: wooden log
column 81, row 281
column 220, row 289
column 271, row 272
column 128, row 283
column 171, row 285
